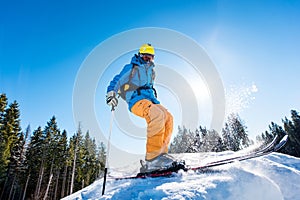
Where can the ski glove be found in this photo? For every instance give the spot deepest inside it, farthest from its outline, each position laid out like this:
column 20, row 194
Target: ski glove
column 111, row 99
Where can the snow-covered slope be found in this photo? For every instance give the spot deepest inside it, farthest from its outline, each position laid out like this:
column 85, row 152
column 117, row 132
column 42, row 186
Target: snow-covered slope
column 276, row 176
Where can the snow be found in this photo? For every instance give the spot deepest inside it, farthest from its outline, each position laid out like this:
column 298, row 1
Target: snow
column 276, row 177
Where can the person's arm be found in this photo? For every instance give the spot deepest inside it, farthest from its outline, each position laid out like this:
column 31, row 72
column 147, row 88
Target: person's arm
column 114, row 84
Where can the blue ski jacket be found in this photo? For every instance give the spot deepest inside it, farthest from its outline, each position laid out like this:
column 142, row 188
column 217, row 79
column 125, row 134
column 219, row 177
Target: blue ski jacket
column 135, row 82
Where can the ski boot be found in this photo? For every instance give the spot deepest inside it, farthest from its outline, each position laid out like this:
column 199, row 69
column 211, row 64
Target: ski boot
column 160, row 163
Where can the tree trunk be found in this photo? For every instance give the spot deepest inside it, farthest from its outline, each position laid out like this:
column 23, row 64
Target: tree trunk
column 4, row 187
column 73, row 171
column 39, row 183
column 50, row 177
column 13, row 195
column 56, row 185
column 47, row 190
column 24, row 193
column 64, row 182
column 12, row 187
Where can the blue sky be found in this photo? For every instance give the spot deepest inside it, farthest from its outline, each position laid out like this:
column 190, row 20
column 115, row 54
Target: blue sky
column 43, row 44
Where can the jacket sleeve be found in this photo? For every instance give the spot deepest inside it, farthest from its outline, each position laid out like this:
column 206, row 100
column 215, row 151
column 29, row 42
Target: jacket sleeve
column 115, row 83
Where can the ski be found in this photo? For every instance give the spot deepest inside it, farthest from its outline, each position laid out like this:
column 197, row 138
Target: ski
column 273, row 146
column 267, row 149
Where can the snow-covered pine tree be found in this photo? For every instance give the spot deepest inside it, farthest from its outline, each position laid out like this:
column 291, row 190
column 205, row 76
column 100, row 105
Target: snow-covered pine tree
column 234, row 134
column 182, row 141
column 202, row 140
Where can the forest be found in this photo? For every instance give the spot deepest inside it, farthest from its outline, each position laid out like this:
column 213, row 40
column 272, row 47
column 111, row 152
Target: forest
column 48, row 163
column 44, row 163
column 234, row 137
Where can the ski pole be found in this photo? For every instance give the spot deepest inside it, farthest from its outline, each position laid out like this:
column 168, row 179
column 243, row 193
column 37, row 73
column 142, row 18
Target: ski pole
column 108, row 149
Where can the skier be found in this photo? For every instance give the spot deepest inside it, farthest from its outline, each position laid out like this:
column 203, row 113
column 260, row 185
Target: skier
column 135, row 85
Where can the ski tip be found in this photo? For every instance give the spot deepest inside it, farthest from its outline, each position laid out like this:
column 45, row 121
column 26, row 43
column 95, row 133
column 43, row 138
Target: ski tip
column 285, row 137
column 282, row 143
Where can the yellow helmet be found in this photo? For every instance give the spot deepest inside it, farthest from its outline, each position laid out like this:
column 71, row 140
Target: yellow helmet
column 147, row 49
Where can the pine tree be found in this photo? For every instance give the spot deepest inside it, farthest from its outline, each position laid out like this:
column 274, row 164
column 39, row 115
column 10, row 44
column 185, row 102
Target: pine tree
column 64, row 141
column 10, row 135
column 25, row 175
column 207, row 140
column 77, row 155
column 101, row 159
column 228, row 138
column 10, row 131
column 70, row 166
column 181, row 142
column 234, row 134
column 53, row 153
column 266, row 137
column 90, row 153
column 296, row 136
column 201, row 138
column 16, row 168
column 3, row 104
column 35, row 161
column 214, row 141
column 292, row 128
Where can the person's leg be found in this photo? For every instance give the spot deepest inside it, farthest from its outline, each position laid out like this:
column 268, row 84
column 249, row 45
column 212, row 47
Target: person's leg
column 168, row 128
column 156, row 120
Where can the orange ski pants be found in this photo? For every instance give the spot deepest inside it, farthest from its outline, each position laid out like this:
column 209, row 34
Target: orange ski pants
column 159, row 126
